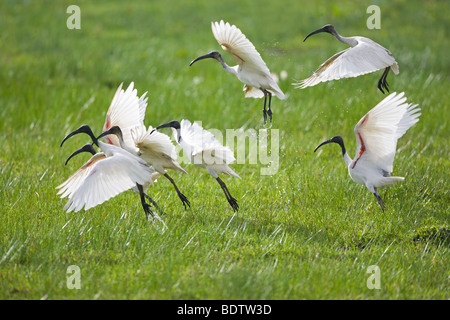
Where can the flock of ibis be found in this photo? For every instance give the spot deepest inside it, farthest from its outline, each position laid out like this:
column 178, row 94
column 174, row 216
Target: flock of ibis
column 134, row 156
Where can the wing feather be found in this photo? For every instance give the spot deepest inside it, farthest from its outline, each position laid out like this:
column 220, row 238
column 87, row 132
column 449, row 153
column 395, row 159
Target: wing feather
column 202, row 143
column 127, row 111
column 156, row 148
column 76, row 180
column 366, row 57
column 153, row 142
column 236, row 43
column 106, row 178
column 382, row 126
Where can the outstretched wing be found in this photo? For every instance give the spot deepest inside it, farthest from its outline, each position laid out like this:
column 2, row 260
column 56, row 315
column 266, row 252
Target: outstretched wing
column 105, row 178
column 378, row 131
column 126, row 111
column 235, row 43
column 366, row 57
column 68, row 187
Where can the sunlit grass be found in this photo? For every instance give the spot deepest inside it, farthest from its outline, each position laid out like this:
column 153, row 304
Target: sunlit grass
column 307, row 231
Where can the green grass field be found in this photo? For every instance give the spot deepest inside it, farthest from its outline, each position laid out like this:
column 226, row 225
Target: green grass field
column 305, row 232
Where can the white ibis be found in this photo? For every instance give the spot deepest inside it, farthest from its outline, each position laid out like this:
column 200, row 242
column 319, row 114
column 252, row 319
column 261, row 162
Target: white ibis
column 124, row 127
column 205, row 151
column 251, row 69
column 364, row 56
column 376, row 139
column 105, row 175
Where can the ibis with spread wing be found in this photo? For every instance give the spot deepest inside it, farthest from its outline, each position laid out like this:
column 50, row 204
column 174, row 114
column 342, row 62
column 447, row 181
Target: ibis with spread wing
column 376, row 139
column 364, row 56
column 251, row 68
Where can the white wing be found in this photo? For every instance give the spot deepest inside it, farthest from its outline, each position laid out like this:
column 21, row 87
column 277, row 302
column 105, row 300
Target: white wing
column 235, row 43
column 126, row 111
column 366, row 57
column 203, row 144
column 69, row 186
column 156, row 148
column 250, row 62
column 378, row 131
column 107, row 178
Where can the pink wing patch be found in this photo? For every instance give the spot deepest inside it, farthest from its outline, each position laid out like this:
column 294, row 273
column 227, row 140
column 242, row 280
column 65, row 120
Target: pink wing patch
column 363, row 148
column 107, row 126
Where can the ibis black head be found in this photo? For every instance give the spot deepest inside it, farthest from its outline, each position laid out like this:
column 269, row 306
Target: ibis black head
column 327, row 28
column 171, row 124
column 175, row 124
column 86, row 148
column 335, row 139
column 83, row 129
column 213, row 54
column 113, row 130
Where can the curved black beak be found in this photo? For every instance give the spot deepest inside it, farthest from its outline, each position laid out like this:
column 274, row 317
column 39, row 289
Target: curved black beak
column 83, row 129
column 86, row 148
column 171, row 124
column 336, row 139
column 328, row 28
column 323, row 143
column 212, row 55
column 113, row 130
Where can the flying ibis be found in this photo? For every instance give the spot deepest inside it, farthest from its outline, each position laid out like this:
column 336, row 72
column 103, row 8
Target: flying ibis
column 105, row 175
column 251, row 69
column 376, row 139
column 364, row 56
column 205, row 151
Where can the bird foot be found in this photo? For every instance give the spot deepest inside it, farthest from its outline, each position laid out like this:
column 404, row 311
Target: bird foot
column 184, row 200
column 153, row 202
column 380, row 86
column 265, row 116
column 147, row 210
column 269, row 112
column 233, row 203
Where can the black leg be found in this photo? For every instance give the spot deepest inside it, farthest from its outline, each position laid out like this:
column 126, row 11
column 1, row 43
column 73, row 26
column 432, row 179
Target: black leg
column 382, row 83
column 269, row 112
column 385, row 84
column 180, row 195
column 264, row 108
column 232, row 201
column 145, row 205
column 385, row 80
column 380, row 202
